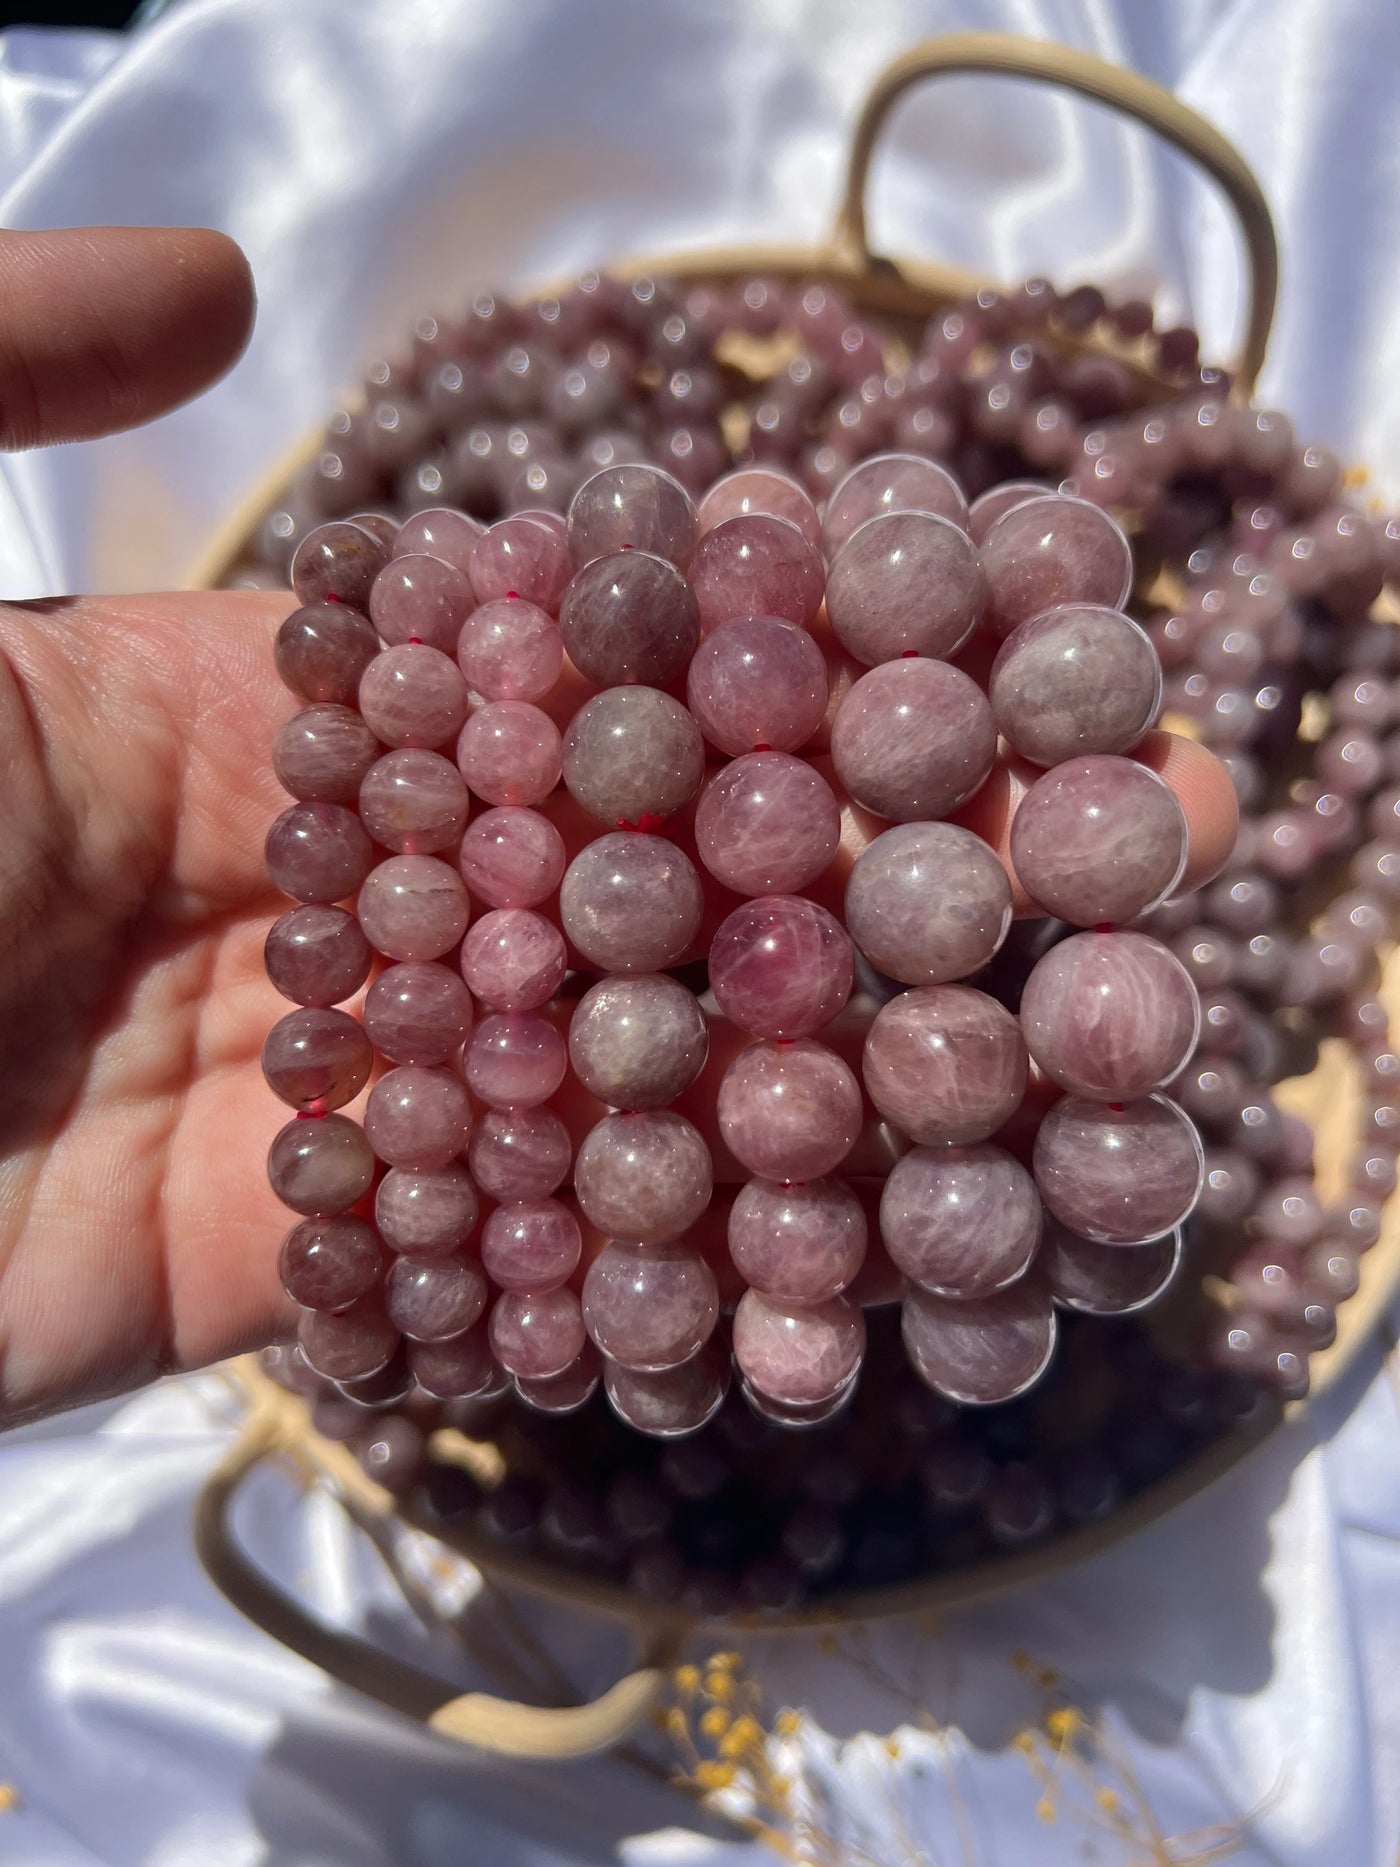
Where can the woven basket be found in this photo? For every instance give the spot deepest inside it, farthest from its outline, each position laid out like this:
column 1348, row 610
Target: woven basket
column 902, row 295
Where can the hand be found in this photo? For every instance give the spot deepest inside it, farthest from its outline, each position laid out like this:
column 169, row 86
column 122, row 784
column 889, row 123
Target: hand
column 137, row 1230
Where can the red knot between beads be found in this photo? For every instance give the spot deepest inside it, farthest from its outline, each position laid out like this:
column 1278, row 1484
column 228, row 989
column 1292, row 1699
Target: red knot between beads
column 512, row 596
column 763, row 746
column 1117, row 1107
column 648, row 824
column 311, row 1114
column 1104, row 927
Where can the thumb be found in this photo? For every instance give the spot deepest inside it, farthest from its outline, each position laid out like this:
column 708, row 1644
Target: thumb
column 102, row 328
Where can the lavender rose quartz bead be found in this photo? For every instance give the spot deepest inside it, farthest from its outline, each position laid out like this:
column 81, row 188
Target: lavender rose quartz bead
column 536, row 1335
column 631, row 507
column 461, row 1369
column 758, row 682
column 984, row 1350
column 413, row 908
column 798, row 1356
column 434, row 1300
column 531, row 1245
column 422, row 598
column 1099, row 841
column 510, row 753
column 1106, row 1280
column 798, row 1244
column 413, row 802
column 988, row 507
column 316, row 1060
column 781, row 967
column 320, row 1167
column 649, row 1307
column 349, row 1344
column 439, row 532
column 519, row 1153
column 514, row 1060
column 673, row 1401
column 906, row 583
column 1077, row 679
column 889, row 483
column 323, row 650
column 638, row 1042
column 760, row 489
column 643, row 1178
column 321, row 754
column 1110, row 1016
column 913, row 739
column 413, row 695
column 756, row 566
column 632, row 753
column 418, row 1117
column 789, row 1111
column 318, row 853
column 928, row 902
column 337, row 562
column 767, row 823
column 1056, row 549
column 421, row 1211
column 631, row 902
column 512, row 857
column 962, row 1221
column 317, row 955
column 510, row 650
column 514, row 959
column 521, row 557
column 629, row 617
column 1118, row 1175
column 329, row 1263
column 945, row 1063
column 418, row 1013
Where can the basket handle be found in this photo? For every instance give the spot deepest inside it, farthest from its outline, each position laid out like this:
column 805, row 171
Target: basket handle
column 1127, row 92
column 502, row 1727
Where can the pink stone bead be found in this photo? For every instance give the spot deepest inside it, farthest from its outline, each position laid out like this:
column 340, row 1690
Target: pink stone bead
column 761, row 489
column 567, row 1392
column 781, row 967
column 435, row 1299
column 510, row 650
column 644, row 1178
column 329, row 1263
column 337, row 562
column 988, row 507
column 418, row 1013
column 797, row 1244
column 631, row 507
column 413, row 907
column 1099, row 841
column 631, row 903
column 638, row 1042
column 907, row 583
column 890, row 483
column 984, row 1350
column 520, row 556
column 461, row 1369
column 945, row 1063
column 321, row 754
column 767, row 823
column 317, row 955
column 1118, row 1174
column 928, row 902
column 789, row 1111
column 514, row 1060
column 672, row 1402
column 798, row 1356
column 421, row 599
column 1077, row 679
column 322, row 651
column 1106, row 1280
column 649, row 1306
column 412, row 695
column 1110, row 1016
column 519, row 1154
column 439, row 532
column 320, row 1167
column 758, row 681
column 963, row 1221
column 512, row 858
column 349, row 1344
column 629, row 617
column 632, row 753
column 422, row 1211
column 1051, row 550
column 510, row 753
column 413, row 802
column 316, row 1060
column 531, row 1245
column 514, row 959
column 318, row 853
column 913, row 739
column 418, row 1117
column 756, row 566
column 536, row 1335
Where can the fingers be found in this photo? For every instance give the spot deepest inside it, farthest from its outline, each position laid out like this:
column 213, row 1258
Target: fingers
column 102, row 328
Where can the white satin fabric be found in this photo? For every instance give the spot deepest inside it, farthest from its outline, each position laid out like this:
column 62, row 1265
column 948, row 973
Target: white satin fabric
column 1243, row 1658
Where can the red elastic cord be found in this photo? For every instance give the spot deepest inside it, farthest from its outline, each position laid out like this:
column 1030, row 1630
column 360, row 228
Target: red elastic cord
column 648, row 825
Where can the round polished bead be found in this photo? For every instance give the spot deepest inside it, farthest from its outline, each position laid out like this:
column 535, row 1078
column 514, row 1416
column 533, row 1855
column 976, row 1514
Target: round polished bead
column 767, row 823
column 1076, row 679
column 632, row 753
column 413, row 907
column 510, row 650
column 439, row 532
column 531, row 1245
column 889, row 483
column 413, row 802
column 758, row 682
column 519, row 1153
column 963, row 1221
column 512, row 857
column 413, row 695
column 422, row 599
column 564, row 1393
column 629, row 617
column 320, row 1167
column 317, row 955
column 945, row 1063
column 318, row 853
column 798, row 1244
column 322, row 753
column 789, row 1111
column 906, row 583
column 631, row 903
column 643, row 1178
column 421, row 1211
column 521, row 557
column 781, row 967
column 418, row 1117
column 928, row 902
column 514, row 1060
column 798, row 1355
column 337, row 563
column 673, row 1401
column 322, row 651
column 536, row 1335
column 349, row 1344
column 1106, row 1280
column 462, row 1369
column 1099, row 841
column 435, row 1299
column 329, row 1263
column 649, row 1307
column 1052, row 550
column 510, row 753
column 984, row 1350
column 638, row 1042
column 1110, row 1015
column 756, row 566
column 631, row 508
column 514, row 959
column 913, row 739
column 316, row 1060
column 1119, row 1175
column 418, row 1013
column 760, row 489
column 988, row 507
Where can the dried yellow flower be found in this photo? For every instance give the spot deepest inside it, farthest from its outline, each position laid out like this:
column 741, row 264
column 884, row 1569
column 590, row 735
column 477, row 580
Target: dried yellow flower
column 687, row 1678
column 787, row 1723
column 1024, row 1742
column 715, row 1721
column 891, row 1746
column 676, row 1722
column 744, row 1734
column 719, row 1685
column 711, row 1775
column 1107, row 1800
column 1045, row 1809
column 1062, row 1723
